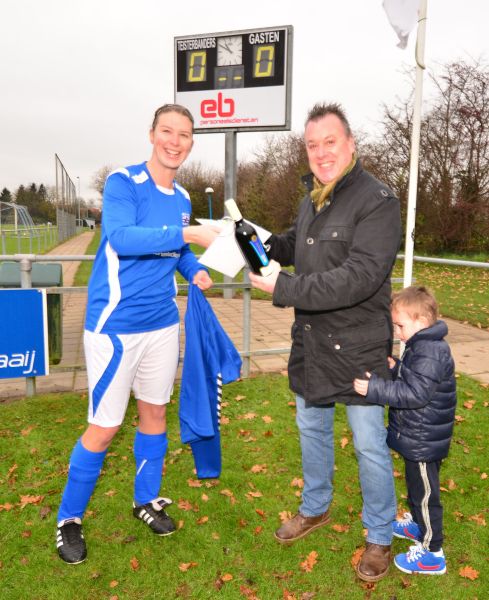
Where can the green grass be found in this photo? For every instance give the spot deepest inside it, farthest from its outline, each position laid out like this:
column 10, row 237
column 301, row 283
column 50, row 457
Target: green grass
column 84, row 271
column 462, row 292
column 226, row 526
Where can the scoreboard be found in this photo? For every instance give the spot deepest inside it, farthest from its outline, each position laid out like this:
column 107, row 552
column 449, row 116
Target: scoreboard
column 238, row 80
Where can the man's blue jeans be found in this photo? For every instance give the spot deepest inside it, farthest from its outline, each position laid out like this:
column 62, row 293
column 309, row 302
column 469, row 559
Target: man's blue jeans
column 374, row 464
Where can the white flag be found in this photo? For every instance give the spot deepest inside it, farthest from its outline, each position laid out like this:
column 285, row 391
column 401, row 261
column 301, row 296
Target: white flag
column 402, row 15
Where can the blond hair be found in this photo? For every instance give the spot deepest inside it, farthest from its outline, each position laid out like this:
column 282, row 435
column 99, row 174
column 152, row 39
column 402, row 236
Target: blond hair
column 416, row 301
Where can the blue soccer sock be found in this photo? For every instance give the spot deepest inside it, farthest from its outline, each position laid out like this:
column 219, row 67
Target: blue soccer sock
column 149, row 452
column 85, row 467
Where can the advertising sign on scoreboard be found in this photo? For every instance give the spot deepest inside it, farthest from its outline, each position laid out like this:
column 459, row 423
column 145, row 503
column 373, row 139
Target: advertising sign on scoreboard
column 238, row 80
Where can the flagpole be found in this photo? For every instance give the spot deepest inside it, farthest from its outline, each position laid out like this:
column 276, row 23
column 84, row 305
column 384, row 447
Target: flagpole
column 415, row 142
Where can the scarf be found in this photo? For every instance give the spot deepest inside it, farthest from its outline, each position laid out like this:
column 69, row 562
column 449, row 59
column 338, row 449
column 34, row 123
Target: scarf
column 321, row 191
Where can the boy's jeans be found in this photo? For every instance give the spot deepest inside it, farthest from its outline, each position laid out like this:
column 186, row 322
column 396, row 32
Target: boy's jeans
column 374, row 464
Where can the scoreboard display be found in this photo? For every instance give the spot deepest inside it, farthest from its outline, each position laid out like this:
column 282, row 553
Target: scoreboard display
column 238, row 80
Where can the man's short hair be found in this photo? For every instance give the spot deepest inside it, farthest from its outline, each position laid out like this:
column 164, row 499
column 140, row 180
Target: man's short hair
column 321, row 109
column 416, row 301
column 166, row 108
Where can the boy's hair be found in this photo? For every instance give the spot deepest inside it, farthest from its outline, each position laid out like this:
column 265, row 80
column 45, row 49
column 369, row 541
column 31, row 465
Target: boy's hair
column 417, row 301
column 166, row 108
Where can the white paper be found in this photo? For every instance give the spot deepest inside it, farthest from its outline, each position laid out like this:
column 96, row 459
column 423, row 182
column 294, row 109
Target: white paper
column 223, row 254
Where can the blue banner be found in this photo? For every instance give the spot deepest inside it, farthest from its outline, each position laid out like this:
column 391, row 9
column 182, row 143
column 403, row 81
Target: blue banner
column 23, row 333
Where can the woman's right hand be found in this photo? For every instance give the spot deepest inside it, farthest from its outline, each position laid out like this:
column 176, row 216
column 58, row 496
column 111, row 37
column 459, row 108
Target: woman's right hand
column 202, row 235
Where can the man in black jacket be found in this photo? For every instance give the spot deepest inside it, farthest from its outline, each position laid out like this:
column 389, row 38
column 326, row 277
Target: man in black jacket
column 343, row 245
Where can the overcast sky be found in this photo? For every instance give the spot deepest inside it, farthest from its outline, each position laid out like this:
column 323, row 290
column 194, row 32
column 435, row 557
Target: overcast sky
column 82, row 79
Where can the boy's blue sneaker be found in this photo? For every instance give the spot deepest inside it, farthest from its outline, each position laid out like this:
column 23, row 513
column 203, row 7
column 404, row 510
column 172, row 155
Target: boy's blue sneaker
column 420, row 560
column 406, row 528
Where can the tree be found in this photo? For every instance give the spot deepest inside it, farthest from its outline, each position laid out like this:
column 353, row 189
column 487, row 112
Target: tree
column 453, row 178
column 270, row 187
column 99, row 178
column 6, row 196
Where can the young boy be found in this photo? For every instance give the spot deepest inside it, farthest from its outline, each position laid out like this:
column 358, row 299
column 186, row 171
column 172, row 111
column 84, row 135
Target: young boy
column 422, row 400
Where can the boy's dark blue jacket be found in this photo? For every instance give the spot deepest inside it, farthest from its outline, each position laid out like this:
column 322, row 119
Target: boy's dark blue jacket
column 210, row 360
column 422, row 397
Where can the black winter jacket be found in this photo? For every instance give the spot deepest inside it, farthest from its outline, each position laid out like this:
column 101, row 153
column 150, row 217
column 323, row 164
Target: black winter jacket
column 343, row 257
column 422, row 398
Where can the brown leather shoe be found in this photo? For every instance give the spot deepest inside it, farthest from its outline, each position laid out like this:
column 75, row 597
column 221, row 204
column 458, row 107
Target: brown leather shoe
column 300, row 526
column 374, row 563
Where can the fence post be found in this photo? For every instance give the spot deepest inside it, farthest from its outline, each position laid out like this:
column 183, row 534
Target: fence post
column 25, row 266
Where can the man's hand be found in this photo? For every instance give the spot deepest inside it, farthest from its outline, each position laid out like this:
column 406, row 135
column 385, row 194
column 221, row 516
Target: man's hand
column 361, row 385
column 391, row 362
column 203, row 235
column 266, row 284
column 202, row 280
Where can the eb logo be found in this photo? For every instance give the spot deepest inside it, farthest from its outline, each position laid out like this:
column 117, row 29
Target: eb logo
column 222, row 107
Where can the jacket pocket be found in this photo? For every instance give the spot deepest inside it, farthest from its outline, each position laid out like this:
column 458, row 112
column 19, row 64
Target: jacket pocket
column 336, row 233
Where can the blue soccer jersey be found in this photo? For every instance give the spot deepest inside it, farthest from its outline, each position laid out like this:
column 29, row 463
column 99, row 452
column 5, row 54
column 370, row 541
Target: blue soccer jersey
column 132, row 288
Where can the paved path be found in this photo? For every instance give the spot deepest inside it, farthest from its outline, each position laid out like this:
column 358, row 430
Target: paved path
column 270, row 329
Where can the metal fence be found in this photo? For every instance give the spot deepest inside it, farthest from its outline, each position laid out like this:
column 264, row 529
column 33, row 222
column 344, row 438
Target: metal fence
column 26, row 261
column 28, row 239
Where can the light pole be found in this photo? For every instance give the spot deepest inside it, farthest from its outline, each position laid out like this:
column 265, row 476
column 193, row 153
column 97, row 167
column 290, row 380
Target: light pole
column 209, row 191
column 78, row 202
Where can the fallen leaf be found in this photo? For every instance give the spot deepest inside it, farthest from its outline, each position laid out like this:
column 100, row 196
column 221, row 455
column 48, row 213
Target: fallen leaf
column 285, row 515
column 308, row 565
column 226, row 577
column 340, row 528
column 289, row 595
column 204, row 498
column 469, row 404
column 483, row 475
column 267, row 419
column 202, row 520
column 238, row 398
column 297, row 482
column 11, row 470
column 259, row 469
column 479, row 519
column 186, row 566
column 356, row 556
column 344, row 442
column 224, row 420
column 468, row 573
column 260, row 512
column 186, row 505
column 27, row 430
column 194, row 483
column 258, row 529
column 134, row 562
column 25, row 500
column 44, row 512
column 6, row 506
column 251, row 495
column 248, row 593
column 249, row 416
column 110, row 493
column 114, row 583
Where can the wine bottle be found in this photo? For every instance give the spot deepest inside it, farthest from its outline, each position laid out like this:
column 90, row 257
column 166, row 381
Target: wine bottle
column 248, row 241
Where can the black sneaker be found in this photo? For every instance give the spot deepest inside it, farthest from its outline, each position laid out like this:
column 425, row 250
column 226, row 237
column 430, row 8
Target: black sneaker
column 70, row 541
column 154, row 515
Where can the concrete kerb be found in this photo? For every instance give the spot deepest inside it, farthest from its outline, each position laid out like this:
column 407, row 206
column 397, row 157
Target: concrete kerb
column 270, row 328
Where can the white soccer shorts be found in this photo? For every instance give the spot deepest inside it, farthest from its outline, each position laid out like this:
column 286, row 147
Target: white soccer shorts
column 116, row 364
